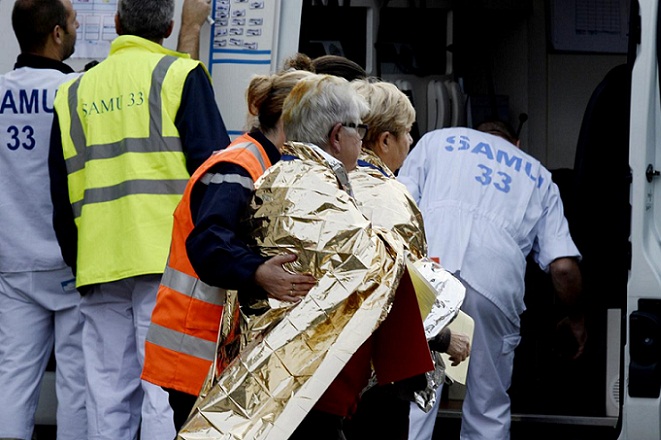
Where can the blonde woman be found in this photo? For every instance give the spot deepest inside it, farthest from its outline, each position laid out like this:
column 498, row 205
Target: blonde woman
column 385, row 146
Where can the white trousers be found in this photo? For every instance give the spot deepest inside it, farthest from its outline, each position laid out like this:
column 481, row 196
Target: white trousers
column 421, row 424
column 117, row 317
column 39, row 312
column 486, row 412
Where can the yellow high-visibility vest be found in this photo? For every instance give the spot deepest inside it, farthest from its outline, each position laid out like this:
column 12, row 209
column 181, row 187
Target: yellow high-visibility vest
column 125, row 164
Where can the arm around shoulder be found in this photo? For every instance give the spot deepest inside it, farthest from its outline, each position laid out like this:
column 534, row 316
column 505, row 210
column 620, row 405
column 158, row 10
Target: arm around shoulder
column 200, row 125
column 63, row 218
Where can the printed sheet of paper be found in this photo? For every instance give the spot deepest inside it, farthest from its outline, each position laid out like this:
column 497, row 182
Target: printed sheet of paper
column 97, row 27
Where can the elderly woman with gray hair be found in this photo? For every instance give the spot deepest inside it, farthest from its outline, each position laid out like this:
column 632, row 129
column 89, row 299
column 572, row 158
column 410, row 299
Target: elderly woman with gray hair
column 304, row 366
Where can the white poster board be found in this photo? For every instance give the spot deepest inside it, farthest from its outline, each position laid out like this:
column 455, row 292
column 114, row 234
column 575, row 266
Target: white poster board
column 243, row 42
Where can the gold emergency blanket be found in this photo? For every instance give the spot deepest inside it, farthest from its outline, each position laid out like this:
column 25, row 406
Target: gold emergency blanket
column 293, row 353
column 388, row 204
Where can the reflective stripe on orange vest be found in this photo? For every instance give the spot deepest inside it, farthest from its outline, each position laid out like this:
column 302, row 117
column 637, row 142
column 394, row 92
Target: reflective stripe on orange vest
column 181, row 341
column 193, row 287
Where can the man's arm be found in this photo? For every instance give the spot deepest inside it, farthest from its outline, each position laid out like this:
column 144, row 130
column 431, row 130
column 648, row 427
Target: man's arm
column 567, row 281
column 63, row 219
column 218, row 252
column 457, row 345
column 193, row 15
column 568, row 284
column 198, row 120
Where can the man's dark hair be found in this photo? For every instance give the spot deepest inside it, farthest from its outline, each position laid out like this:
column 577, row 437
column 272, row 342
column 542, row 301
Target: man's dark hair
column 338, row 66
column 499, row 128
column 327, row 65
column 149, row 19
column 33, row 20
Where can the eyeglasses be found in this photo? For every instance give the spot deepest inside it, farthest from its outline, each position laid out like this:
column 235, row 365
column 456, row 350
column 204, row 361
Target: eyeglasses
column 361, row 129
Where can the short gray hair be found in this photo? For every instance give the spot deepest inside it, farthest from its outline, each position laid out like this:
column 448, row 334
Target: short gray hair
column 316, row 104
column 149, row 19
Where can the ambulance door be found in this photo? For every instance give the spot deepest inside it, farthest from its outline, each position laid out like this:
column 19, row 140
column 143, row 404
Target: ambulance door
column 641, row 409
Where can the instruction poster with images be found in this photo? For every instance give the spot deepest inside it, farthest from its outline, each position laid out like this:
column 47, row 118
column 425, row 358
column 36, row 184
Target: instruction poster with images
column 244, row 41
column 97, row 27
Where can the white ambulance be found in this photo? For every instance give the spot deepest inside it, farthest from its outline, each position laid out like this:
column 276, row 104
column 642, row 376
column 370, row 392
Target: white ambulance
column 579, row 80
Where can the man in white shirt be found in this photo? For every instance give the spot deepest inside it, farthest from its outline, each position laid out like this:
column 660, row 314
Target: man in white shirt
column 486, row 206
column 39, row 304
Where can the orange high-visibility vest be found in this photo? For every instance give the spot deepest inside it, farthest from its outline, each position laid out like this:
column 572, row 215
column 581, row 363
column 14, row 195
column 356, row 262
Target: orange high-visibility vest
column 182, row 336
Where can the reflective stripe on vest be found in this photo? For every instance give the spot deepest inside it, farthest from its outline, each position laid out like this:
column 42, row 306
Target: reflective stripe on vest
column 182, row 336
column 178, row 341
column 230, row 154
column 217, row 178
column 193, row 287
column 156, row 142
column 181, row 342
column 254, row 149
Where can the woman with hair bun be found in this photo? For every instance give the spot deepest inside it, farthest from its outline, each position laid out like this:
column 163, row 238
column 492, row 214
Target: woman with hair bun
column 327, row 65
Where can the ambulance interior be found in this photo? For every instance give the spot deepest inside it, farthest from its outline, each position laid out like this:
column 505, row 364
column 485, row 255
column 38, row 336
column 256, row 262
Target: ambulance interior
column 566, row 92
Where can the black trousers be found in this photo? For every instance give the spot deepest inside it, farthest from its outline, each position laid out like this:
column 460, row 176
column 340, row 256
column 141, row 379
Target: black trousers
column 319, row 425
column 182, row 404
column 381, row 414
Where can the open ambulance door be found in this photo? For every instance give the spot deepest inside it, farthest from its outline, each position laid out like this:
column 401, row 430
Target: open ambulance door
column 641, row 409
